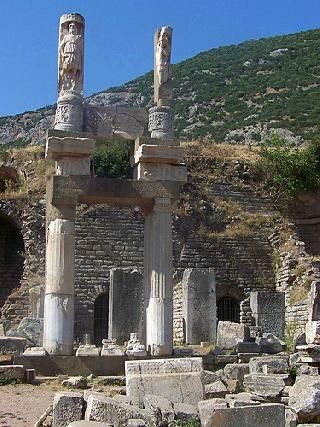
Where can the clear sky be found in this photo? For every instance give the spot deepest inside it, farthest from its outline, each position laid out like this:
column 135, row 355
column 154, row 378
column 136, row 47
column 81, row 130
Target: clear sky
column 119, row 38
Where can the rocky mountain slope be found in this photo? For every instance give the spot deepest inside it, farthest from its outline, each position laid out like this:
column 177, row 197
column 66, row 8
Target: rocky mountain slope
column 234, row 94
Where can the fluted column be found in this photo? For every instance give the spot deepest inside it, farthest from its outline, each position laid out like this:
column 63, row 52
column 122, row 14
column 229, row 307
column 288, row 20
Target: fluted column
column 158, row 278
column 59, row 292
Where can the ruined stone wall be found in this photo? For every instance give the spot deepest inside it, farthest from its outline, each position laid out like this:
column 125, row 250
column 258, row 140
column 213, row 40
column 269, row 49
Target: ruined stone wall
column 109, row 237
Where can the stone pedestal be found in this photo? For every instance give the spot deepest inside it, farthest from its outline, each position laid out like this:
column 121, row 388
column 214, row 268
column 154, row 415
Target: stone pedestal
column 158, row 286
column 161, row 122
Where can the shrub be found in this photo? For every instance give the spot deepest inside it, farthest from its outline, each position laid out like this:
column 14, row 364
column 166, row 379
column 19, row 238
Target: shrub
column 112, row 160
column 286, row 170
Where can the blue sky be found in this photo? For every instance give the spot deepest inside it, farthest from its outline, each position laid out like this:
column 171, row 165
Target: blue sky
column 119, row 38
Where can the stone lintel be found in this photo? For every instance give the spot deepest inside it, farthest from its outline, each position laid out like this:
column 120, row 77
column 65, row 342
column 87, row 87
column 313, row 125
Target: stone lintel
column 159, row 154
column 111, row 191
column 160, row 172
column 148, row 140
column 69, row 146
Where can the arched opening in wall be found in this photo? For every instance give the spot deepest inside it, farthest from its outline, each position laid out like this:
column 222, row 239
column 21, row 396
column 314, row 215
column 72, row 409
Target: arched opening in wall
column 11, row 257
column 228, row 309
column 101, row 316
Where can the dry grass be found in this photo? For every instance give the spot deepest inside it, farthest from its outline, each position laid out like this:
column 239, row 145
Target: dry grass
column 221, row 151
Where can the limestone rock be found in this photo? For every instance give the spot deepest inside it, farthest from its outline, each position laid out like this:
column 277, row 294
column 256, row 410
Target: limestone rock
column 229, row 334
column 179, row 380
column 269, row 364
column 267, row 387
column 212, row 376
column 31, row 329
column 240, row 399
column 216, row 389
column 207, row 408
column 304, row 398
column 270, row 344
column 76, row 382
column 183, row 411
column 107, row 409
column 161, row 407
column 67, row 407
column 267, row 415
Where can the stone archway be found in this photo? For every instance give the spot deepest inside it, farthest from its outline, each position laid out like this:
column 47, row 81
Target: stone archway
column 101, row 317
column 11, row 257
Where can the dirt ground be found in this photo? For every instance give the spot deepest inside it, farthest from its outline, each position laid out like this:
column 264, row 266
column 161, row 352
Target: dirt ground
column 22, row 404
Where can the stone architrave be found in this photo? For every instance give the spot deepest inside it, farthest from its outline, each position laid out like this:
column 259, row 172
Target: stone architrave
column 69, row 112
column 158, row 278
column 125, row 303
column 178, row 380
column 268, row 309
column 199, row 305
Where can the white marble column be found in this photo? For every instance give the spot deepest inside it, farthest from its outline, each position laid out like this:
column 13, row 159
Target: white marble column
column 59, row 292
column 158, row 278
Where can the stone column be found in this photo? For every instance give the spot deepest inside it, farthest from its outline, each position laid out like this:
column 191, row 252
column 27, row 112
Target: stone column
column 158, row 278
column 161, row 116
column 72, row 158
column 59, row 296
column 69, row 112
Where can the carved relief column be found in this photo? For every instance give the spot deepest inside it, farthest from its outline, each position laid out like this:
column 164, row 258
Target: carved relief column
column 69, row 112
column 158, row 278
column 72, row 157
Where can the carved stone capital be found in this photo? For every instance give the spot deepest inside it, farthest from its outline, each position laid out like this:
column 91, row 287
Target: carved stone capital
column 161, row 122
column 69, row 115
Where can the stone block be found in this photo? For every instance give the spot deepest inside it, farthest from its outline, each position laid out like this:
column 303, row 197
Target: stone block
column 212, row 376
column 215, row 390
column 240, row 399
column 268, row 309
column 12, row 345
column 84, row 423
column 267, row 387
column 207, row 407
column 291, row 417
column 236, row 371
column 159, row 154
column 67, row 407
column 12, row 372
column 271, row 344
column 160, row 172
column 183, row 411
column 199, row 305
column 304, row 398
column 87, row 350
column 75, row 382
column 229, row 334
column 31, row 329
column 247, row 347
column 35, row 351
column 269, row 365
column 107, row 409
column 160, row 406
column 179, row 380
column 267, row 415
column 125, row 303
column 36, row 299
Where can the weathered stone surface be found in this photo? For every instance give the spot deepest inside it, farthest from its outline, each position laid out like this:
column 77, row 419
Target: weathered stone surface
column 240, row 399
column 136, row 422
column 291, row 417
column 304, row 398
column 269, row 365
column 111, row 348
column 268, row 387
column 76, row 382
column 270, row 344
column 125, row 303
column 35, row 351
column 207, row 407
column 212, row 376
column 36, row 299
column 12, row 345
column 229, row 334
column 179, row 380
column 31, row 329
column 135, row 346
column 215, row 390
column 268, row 308
column 183, row 411
column 247, row 347
column 107, row 409
column 84, row 423
column 12, row 372
column 267, row 415
column 67, row 407
column 236, row 371
column 87, row 350
column 199, row 305
column 161, row 407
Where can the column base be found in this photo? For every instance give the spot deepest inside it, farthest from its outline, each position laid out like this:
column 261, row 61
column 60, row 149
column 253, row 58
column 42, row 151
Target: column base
column 58, row 324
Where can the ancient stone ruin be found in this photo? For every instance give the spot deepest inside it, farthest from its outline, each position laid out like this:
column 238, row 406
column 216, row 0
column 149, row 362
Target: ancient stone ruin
column 182, row 345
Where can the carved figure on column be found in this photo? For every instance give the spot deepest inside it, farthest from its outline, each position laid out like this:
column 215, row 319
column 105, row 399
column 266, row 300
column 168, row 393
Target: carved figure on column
column 70, row 60
column 162, row 66
column 69, row 113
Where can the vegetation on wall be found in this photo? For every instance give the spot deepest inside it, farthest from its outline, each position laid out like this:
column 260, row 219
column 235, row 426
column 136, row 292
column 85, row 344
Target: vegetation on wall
column 112, row 159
